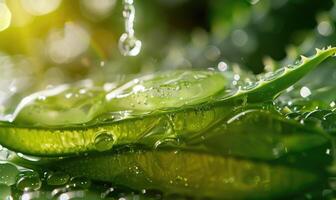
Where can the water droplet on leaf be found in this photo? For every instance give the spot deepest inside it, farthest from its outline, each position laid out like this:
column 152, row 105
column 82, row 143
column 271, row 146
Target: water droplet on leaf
column 8, row 173
column 28, row 180
column 57, row 178
column 104, row 141
column 273, row 75
column 80, row 182
column 250, row 86
column 5, row 192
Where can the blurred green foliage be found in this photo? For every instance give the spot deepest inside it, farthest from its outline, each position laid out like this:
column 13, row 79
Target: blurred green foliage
column 248, row 34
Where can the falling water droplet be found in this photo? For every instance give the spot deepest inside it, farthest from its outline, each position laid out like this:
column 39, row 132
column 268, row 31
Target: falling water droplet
column 104, row 141
column 129, row 45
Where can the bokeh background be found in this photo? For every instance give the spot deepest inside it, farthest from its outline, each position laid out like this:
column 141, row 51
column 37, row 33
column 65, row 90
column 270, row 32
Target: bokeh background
column 50, row 42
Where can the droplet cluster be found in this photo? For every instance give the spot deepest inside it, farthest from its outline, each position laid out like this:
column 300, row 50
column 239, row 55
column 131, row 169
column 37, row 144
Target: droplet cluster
column 129, row 45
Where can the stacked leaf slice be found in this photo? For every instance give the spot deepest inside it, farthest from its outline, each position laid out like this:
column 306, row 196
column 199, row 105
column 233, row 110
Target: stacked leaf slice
column 181, row 132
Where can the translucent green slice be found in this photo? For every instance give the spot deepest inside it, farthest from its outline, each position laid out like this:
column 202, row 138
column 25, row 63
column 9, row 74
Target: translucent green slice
column 146, row 110
column 253, row 134
column 193, row 174
column 263, row 135
column 147, row 130
column 69, row 105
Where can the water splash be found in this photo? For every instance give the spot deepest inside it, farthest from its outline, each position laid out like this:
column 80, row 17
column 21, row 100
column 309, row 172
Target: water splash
column 129, row 45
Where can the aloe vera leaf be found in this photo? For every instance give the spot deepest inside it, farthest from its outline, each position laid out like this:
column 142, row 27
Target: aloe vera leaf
column 66, row 106
column 322, row 118
column 271, row 137
column 73, row 140
column 273, row 83
column 167, row 90
column 262, row 135
column 27, row 134
column 153, row 92
column 179, row 172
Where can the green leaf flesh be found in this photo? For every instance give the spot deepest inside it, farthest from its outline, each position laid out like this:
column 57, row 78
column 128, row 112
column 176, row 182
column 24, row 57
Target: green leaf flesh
column 193, row 174
column 57, row 126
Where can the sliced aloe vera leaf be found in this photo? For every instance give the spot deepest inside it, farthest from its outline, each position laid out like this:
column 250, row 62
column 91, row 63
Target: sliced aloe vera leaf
column 167, row 90
column 46, row 127
column 74, row 140
column 262, row 135
column 193, row 174
column 269, row 135
column 207, row 130
column 67, row 105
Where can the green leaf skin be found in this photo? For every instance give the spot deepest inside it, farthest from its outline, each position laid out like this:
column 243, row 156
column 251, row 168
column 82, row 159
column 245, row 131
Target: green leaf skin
column 66, row 105
column 148, row 130
column 57, row 125
column 193, row 174
column 252, row 134
column 262, row 135
column 273, row 83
